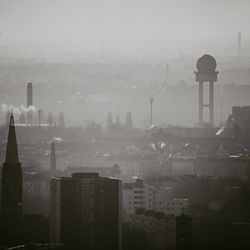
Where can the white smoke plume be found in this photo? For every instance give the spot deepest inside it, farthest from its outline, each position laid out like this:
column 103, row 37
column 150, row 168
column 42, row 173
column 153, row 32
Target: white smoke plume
column 16, row 110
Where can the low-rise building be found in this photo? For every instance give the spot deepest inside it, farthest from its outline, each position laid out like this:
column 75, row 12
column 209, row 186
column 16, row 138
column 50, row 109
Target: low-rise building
column 139, row 194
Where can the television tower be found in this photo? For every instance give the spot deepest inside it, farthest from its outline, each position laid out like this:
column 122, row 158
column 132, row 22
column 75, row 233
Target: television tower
column 206, row 66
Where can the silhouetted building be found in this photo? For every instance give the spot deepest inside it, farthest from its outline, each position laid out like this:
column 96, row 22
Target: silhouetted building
column 241, row 116
column 129, row 122
column 117, row 120
column 11, row 176
column 206, row 66
column 61, row 122
column 53, row 159
column 183, row 232
column 109, row 121
column 86, row 211
column 22, row 119
column 50, row 119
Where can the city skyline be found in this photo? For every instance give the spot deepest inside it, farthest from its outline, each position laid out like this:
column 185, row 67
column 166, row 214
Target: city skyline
column 124, row 125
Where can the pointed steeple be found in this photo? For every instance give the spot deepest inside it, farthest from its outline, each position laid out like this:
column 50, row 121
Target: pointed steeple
column 11, row 151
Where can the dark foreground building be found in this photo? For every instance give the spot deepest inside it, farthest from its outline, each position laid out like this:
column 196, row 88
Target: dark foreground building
column 86, row 212
column 16, row 228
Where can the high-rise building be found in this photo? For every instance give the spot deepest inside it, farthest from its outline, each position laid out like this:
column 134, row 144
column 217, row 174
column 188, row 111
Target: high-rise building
column 117, row 119
column 86, row 211
column 11, row 176
column 29, row 95
column 61, row 122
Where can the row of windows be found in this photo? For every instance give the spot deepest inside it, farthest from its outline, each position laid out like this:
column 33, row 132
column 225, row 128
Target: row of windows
column 138, row 191
column 138, row 203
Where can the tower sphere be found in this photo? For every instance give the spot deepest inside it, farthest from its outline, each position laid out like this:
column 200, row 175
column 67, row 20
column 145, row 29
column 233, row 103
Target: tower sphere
column 206, row 63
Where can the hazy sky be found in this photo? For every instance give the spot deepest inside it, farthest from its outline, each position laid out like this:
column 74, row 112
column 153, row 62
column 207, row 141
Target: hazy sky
column 63, row 21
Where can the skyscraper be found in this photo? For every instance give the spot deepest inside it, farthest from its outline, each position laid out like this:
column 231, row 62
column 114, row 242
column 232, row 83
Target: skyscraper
column 11, row 176
column 86, row 211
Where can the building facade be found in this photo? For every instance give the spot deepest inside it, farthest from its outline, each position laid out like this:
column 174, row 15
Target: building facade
column 140, row 194
column 86, row 211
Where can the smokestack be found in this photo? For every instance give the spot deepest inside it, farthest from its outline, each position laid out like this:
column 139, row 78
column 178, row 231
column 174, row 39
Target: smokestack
column 29, row 95
column 29, row 102
column 53, row 159
column 239, row 43
column 39, row 117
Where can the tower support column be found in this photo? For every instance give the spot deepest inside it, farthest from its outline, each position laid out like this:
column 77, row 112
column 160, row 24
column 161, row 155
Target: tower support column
column 206, row 66
column 211, row 104
column 200, row 103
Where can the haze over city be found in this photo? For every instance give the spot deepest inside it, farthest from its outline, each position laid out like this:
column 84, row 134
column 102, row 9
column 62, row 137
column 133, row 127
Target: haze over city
column 124, row 125
column 126, row 27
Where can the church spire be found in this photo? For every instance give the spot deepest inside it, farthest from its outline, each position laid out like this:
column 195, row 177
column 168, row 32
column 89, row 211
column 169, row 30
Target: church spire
column 11, row 176
column 11, row 151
